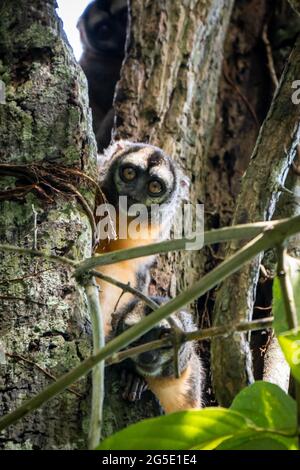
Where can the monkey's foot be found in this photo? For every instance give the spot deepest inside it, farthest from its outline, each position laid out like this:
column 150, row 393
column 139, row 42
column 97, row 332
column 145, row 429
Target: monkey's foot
column 134, row 386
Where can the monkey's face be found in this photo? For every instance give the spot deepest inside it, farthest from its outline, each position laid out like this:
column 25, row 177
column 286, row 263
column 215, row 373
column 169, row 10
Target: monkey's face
column 155, row 363
column 103, row 27
column 144, row 175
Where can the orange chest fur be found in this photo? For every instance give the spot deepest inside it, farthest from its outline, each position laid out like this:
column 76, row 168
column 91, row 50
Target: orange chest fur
column 172, row 393
column 112, row 297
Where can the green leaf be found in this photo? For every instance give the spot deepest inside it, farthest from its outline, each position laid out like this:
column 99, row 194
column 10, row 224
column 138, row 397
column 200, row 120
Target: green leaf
column 292, row 266
column 259, row 441
column 198, row 429
column 262, row 416
column 290, row 344
column 267, row 406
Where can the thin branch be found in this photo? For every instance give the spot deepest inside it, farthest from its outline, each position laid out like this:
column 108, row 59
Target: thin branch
column 23, row 278
column 239, row 92
column 39, row 254
column 290, row 309
column 127, row 288
column 38, row 367
column 35, row 231
column 239, row 232
column 296, row 5
column 270, row 59
column 286, row 290
column 92, row 294
column 85, row 205
column 269, row 239
column 200, row 335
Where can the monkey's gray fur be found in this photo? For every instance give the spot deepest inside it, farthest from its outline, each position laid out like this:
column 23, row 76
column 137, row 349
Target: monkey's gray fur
column 159, row 364
column 151, row 164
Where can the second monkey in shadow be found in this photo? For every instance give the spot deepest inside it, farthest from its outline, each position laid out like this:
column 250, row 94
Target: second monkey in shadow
column 102, row 28
column 156, row 367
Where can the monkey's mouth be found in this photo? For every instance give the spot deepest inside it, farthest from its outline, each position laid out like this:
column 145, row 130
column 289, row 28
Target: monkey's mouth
column 148, row 370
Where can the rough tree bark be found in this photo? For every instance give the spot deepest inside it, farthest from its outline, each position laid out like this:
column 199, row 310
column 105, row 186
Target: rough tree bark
column 166, row 96
column 257, row 200
column 43, row 313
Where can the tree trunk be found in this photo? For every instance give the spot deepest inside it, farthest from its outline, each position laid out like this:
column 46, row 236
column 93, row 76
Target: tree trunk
column 260, row 190
column 43, row 314
column 166, row 96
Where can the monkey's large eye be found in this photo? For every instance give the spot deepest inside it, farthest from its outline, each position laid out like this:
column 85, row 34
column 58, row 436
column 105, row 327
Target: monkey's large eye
column 155, row 188
column 104, row 30
column 165, row 333
column 128, row 173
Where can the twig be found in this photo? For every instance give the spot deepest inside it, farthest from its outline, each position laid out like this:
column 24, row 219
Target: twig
column 176, row 333
column 270, row 59
column 285, row 190
column 127, row 288
column 236, row 88
column 21, row 279
column 200, row 335
column 35, row 229
column 85, row 205
column 39, row 254
column 238, row 232
column 92, row 294
column 44, row 371
column 18, row 192
column 263, row 308
column 269, row 239
column 290, row 309
column 286, row 290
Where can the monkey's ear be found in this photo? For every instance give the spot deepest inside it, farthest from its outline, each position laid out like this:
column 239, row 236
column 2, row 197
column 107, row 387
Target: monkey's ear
column 120, row 145
column 79, row 24
column 112, row 150
column 184, row 187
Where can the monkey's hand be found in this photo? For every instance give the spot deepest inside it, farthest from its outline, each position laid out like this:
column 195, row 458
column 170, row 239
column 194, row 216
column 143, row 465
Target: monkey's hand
column 133, row 386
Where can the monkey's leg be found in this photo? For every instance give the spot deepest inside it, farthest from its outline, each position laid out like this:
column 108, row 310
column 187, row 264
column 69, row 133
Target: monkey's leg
column 103, row 133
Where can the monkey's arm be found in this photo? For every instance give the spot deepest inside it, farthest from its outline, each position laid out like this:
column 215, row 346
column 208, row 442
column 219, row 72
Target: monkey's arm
column 103, row 130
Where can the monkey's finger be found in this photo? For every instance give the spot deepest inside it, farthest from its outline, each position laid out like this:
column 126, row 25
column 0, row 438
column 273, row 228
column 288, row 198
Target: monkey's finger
column 128, row 386
column 138, row 388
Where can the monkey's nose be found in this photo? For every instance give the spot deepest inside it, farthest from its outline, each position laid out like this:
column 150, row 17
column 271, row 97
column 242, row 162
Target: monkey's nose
column 149, row 357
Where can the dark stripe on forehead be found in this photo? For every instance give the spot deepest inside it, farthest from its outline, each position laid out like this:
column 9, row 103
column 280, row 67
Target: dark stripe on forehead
column 155, row 158
column 117, row 6
column 103, row 5
column 132, row 149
